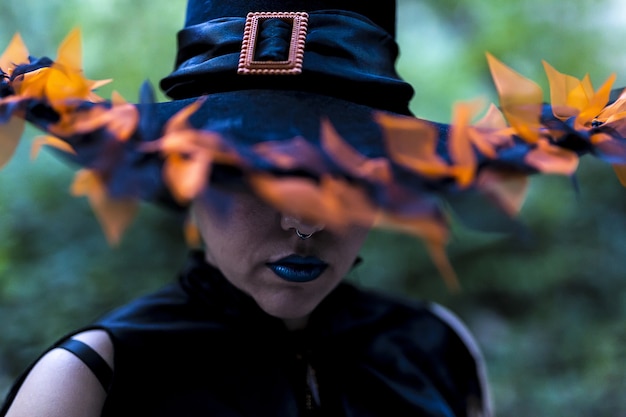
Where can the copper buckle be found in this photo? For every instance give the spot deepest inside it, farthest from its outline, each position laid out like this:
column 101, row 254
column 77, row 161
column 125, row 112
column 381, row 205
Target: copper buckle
column 293, row 65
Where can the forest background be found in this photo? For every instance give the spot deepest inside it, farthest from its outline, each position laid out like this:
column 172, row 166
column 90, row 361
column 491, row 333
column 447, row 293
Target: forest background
column 548, row 306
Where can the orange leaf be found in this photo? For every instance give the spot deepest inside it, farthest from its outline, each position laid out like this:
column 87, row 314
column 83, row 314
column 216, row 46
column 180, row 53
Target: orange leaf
column 289, row 154
column 32, row 84
column 620, row 171
column 413, row 143
column 114, row 215
column 491, row 132
column 616, row 110
column 520, row 98
column 493, row 119
column 187, row 142
column 70, row 52
column 187, row 176
column 15, row 54
column 180, row 120
column 373, row 169
column 297, row 196
column 63, row 85
column 94, row 85
column 121, row 120
column 428, row 228
column 440, row 258
column 332, row 202
column 434, row 233
column 597, row 102
column 459, row 144
column 49, row 141
column 192, row 233
column 567, row 94
column 552, row 159
column 507, row 189
column 10, row 134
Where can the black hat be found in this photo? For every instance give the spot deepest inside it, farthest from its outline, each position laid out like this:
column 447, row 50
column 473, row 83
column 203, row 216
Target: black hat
column 299, row 101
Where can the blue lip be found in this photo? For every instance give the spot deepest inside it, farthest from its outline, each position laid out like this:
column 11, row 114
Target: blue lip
column 294, row 268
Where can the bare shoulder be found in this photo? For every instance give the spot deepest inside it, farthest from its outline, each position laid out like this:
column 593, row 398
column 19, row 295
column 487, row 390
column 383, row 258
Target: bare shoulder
column 100, row 341
column 60, row 384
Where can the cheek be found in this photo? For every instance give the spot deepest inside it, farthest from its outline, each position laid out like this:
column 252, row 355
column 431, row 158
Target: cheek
column 347, row 246
column 233, row 235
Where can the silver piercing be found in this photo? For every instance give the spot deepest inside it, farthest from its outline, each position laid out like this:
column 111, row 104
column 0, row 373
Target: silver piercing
column 302, row 235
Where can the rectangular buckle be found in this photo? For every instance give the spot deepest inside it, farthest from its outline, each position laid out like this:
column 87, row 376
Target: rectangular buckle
column 293, row 64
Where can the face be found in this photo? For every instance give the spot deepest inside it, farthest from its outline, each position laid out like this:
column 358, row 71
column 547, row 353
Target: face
column 258, row 251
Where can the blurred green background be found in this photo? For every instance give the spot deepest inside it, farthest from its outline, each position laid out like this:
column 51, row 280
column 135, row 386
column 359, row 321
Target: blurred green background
column 548, row 307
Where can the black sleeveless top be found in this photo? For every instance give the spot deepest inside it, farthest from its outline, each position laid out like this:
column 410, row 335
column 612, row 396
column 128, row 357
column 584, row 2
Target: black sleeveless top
column 200, row 347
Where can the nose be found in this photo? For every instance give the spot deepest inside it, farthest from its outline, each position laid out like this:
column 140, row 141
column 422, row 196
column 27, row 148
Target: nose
column 303, row 229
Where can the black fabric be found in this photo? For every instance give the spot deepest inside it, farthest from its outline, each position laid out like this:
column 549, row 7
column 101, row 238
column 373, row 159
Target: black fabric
column 200, row 347
column 383, row 13
column 92, row 359
column 346, row 56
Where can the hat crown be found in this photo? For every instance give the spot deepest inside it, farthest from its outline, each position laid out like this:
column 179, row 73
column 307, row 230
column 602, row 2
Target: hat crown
column 345, row 49
column 383, row 13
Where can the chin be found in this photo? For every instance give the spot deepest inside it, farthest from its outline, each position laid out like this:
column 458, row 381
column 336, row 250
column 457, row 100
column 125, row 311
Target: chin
column 289, row 309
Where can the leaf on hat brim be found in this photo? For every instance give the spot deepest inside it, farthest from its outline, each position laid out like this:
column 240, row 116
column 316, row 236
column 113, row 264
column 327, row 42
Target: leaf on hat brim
column 459, row 143
column 66, row 80
column 551, row 159
column 608, row 145
column 189, row 154
column 440, row 258
column 434, row 232
column 187, row 175
column 70, row 51
column 295, row 153
column 520, row 99
column 114, row 215
column 52, row 141
column 570, row 96
column 32, row 84
column 332, row 202
column 507, row 188
column 192, row 232
column 620, row 172
column 567, row 94
column 15, row 54
column 63, row 83
column 596, row 103
column 180, row 120
column 117, row 99
column 94, row 85
column 491, row 132
column 376, row 170
column 10, row 134
column 120, row 120
column 614, row 111
column 412, row 143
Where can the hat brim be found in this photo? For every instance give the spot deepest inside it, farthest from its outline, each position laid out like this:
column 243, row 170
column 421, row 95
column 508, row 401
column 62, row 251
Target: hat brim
column 312, row 154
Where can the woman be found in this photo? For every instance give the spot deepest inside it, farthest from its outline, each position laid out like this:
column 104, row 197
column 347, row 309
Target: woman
column 259, row 342
column 296, row 149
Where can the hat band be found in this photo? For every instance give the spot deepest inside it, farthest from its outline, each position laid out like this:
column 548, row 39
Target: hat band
column 345, row 56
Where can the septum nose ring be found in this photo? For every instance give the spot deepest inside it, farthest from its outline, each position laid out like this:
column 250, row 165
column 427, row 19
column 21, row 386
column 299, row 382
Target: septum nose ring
column 293, row 223
column 303, row 236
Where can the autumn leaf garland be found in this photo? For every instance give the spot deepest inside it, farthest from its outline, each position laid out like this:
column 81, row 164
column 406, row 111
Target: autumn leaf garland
column 491, row 156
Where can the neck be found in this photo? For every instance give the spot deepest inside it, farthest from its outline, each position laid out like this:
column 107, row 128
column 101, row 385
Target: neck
column 297, row 323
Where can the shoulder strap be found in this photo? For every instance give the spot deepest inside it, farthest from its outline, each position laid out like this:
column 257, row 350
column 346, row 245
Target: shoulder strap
column 92, row 359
